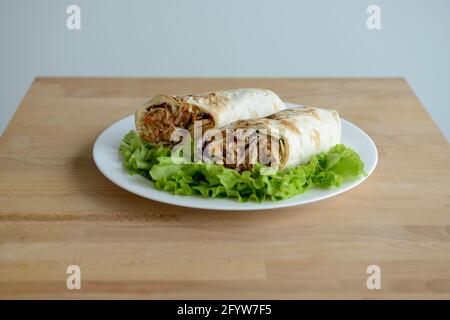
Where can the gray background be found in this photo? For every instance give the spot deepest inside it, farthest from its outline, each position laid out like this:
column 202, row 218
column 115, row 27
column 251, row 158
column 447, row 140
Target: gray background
column 230, row 38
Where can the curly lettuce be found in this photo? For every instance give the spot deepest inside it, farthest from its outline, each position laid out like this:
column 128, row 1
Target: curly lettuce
column 324, row 170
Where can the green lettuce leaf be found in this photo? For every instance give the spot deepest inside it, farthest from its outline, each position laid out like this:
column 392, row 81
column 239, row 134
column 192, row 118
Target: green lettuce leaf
column 324, row 170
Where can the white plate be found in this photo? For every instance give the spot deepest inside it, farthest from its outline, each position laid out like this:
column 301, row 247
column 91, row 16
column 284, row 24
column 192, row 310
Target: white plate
column 109, row 162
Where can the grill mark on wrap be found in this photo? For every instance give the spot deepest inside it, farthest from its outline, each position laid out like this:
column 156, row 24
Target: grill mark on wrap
column 255, row 114
column 309, row 111
column 316, row 137
column 212, row 99
column 289, row 125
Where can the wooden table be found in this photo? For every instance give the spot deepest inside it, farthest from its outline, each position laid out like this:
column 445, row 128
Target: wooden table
column 57, row 209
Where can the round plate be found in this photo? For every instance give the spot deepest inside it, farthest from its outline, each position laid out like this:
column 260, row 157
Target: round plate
column 110, row 163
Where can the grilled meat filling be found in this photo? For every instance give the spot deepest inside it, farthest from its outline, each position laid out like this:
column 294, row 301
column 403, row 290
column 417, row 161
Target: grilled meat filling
column 268, row 151
column 161, row 121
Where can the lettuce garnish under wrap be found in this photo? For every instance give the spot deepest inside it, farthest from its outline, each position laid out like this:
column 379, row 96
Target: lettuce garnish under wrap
column 324, row 170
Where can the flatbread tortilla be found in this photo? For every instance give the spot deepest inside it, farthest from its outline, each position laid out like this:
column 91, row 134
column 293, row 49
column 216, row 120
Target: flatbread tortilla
column 297, row 134
column 158, row 118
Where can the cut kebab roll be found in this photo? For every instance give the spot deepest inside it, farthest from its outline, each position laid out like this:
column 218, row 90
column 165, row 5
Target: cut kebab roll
column 157, row 119
column 282, row 140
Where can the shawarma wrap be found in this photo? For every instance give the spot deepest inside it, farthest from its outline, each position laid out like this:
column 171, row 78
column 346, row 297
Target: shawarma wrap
column 157, row 119
column 282, row 140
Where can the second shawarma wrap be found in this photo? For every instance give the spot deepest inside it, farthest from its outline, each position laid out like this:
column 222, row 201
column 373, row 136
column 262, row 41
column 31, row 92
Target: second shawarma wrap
column 283, row 140
column 157, row 119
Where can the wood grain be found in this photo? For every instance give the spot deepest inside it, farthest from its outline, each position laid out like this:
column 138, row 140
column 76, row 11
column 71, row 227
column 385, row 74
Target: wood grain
column 56, row 209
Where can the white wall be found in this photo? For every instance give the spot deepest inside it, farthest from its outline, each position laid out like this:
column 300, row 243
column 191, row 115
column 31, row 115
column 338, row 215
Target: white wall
column 227, row 38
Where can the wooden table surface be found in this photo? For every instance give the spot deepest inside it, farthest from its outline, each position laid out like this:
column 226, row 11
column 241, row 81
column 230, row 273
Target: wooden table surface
column 57, row 209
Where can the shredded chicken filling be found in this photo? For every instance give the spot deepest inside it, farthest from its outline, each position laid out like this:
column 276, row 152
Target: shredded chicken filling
column 267, row 150
column 162, row 120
